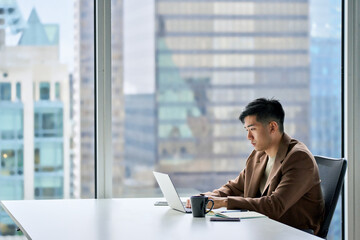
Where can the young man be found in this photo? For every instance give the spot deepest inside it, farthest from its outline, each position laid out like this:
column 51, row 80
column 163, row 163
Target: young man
column 281, row 177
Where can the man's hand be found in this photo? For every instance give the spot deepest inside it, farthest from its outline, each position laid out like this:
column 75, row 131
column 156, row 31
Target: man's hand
column 218, row 202
column 188, row 203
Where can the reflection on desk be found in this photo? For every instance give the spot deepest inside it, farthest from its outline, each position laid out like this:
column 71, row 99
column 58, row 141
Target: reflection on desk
column 133, row 218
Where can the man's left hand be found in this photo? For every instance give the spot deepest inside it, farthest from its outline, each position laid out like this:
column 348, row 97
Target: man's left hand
column 218, row 202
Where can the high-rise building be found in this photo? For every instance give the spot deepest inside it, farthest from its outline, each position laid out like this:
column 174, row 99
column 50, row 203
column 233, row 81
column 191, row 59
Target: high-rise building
column 84, row 98
column 34, row 111
column 212, row 58
column 84, row 89
column 118, row 99
column 51, row 108
column 140, row 144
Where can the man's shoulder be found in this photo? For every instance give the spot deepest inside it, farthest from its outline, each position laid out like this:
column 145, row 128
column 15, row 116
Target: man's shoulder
column 297, row 146
column 299, row 151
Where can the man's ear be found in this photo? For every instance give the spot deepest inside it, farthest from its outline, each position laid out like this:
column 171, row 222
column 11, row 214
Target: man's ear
column 273, row 126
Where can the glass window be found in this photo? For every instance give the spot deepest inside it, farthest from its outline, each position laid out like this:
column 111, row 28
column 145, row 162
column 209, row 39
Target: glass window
column 42, row 40
column 48, row 156
column 48, row 122
column 44, row 91
column 8, row 162
column 48, row 187
column 18, row 91
column 11, row 118
column 202, row 62
column 57, row 91
column 5, row 91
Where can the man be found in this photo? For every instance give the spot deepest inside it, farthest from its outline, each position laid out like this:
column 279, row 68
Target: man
column 281, row 177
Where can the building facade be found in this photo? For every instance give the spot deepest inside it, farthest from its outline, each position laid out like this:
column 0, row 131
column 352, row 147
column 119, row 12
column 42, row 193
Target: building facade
column 34, row 112
column 140, row 144
column 212, row 58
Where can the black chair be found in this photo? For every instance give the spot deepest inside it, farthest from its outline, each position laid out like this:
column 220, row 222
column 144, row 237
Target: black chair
column 332, row 172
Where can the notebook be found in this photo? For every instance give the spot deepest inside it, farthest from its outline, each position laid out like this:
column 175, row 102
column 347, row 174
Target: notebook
column 170, row 193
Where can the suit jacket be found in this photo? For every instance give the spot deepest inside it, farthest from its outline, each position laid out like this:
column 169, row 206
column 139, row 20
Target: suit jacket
column 292, row 194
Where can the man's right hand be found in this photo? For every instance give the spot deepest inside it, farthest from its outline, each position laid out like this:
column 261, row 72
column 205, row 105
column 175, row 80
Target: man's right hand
column 188, row 203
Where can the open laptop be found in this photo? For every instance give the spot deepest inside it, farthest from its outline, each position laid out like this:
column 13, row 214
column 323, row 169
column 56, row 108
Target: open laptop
column 170, row 193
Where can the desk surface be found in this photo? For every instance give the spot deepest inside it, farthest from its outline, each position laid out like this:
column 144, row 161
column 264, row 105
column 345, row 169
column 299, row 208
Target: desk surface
column 133, row 218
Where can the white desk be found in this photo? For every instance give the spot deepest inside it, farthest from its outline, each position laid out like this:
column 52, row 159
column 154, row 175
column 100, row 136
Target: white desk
column 133, row 218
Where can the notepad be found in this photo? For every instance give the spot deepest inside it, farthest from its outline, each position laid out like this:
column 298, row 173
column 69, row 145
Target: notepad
column 239, row 214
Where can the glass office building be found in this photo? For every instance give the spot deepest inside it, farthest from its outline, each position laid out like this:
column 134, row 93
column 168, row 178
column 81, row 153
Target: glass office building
column 140, row 144
column 212, row 58
column 34, row 113
column 84, row 92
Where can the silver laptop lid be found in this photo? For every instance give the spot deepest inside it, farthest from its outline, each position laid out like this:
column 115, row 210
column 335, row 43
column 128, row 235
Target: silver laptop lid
column 169, row 192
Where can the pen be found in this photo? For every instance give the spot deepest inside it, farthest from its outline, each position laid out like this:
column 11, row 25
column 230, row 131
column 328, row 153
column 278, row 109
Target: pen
column 220, row 215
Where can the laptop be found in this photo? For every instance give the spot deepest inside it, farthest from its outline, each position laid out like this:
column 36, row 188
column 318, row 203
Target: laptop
column 170, row 193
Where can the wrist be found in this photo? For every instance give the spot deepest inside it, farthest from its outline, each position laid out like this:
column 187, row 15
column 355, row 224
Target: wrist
column 225, row 202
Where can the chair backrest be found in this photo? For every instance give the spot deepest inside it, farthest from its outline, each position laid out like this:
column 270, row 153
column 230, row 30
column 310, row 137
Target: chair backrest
column 332, row 172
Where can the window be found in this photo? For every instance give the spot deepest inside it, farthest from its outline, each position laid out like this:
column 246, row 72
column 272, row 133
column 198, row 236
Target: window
column 41, row 108
column 175, row 110
column 11, row 118
column 44, row 91
column 57, row 91
column 5, row 91
column 202, row 62
column 18, row 91
column 48, row 122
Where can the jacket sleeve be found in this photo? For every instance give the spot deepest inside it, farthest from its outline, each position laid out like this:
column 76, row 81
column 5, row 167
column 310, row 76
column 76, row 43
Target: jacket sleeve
column 297, row 179
column 232, row 188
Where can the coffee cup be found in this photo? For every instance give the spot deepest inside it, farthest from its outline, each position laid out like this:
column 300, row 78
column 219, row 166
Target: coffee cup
column 198, row 205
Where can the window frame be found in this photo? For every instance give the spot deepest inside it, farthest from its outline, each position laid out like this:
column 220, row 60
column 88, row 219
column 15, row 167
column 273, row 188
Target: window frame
column 352, row 117
column 102, row 87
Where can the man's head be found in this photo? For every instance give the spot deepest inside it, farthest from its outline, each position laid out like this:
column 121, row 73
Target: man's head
column 265, row 111
column 263, row 120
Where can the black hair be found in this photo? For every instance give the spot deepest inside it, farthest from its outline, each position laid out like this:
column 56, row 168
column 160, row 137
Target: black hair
column 265, row 110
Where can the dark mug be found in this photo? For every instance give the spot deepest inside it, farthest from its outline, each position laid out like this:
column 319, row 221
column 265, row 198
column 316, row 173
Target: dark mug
column 198, row 205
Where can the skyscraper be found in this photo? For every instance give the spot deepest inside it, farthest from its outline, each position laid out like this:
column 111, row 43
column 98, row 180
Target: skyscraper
column 84, row 100
column 212, row 58
column 140, row 144
column 34, row 107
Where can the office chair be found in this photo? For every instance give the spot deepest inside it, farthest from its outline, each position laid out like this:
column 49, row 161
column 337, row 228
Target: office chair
column 332, row 172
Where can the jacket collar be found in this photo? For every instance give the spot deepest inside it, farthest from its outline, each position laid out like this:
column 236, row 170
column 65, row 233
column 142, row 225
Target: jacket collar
column 257, row 175
column 280, row 156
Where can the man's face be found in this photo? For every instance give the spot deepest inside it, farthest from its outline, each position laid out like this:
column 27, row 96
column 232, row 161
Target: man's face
column 257, row 133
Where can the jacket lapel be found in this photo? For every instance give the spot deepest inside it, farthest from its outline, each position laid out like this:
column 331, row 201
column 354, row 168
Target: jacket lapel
column 256, row 176
column 280, row 156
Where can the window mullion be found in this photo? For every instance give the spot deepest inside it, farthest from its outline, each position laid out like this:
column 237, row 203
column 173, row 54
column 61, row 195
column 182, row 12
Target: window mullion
column 103, row 138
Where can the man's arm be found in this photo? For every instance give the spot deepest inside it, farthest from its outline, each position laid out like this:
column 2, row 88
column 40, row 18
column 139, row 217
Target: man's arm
column 296, row 181
column 232, row 188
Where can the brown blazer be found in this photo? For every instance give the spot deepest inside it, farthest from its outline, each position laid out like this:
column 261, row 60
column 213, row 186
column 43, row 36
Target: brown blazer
column 292, row 192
